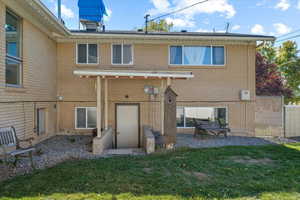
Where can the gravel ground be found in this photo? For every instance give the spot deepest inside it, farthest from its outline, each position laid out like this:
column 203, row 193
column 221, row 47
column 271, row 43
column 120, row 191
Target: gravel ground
column 188, row 140
column 51, row 152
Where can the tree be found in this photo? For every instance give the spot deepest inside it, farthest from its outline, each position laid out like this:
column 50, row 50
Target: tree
column 268, row 51
column 289, row 65
column 268, row 80
column 160, row 26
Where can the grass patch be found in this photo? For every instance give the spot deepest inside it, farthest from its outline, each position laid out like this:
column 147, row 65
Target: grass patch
column 264, row 172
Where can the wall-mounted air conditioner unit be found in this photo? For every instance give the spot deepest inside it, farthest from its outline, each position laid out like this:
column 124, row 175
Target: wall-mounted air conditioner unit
column 245, row 95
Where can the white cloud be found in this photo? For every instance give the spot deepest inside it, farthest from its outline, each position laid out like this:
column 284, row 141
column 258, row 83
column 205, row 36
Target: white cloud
column 298, row 6
column 257, row 29
column 283, row 5
column 178, row 22
column 161, row 4
column 282, row 28
column 67, row 12
column 236, row 27
column 187, row 17
column 210, row 7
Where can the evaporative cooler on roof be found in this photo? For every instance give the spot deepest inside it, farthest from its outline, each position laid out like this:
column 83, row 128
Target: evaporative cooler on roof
column 91, row 14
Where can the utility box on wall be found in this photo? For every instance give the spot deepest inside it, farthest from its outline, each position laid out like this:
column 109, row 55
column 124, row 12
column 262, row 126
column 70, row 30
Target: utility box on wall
column 245, row 95
column 170, row 128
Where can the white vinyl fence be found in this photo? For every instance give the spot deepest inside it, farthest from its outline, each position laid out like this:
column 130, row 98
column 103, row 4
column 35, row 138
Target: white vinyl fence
column 292, row 121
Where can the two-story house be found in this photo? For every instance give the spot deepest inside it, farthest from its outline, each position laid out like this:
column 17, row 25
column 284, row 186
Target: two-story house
column 58, row 81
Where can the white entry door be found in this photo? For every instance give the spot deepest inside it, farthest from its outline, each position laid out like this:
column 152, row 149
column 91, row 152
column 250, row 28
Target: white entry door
column 127, row 126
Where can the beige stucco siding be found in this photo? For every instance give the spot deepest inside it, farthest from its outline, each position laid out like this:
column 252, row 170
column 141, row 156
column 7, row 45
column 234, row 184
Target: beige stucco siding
column 39, row 81
column 217, row 86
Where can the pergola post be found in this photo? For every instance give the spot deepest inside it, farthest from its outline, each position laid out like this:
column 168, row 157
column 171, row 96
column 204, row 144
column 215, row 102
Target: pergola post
column 169, row 82
column 106, row 104
column 99, row 108
column 162, row 107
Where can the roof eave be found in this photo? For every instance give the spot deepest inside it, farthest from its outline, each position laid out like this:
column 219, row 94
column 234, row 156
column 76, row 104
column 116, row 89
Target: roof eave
column 59, row 25
column 144, row 36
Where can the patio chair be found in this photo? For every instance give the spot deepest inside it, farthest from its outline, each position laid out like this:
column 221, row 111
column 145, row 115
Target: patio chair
column 9, row 140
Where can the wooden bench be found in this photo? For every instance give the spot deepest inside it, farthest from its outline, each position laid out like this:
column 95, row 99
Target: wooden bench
column 9, row 140
column 213, row 127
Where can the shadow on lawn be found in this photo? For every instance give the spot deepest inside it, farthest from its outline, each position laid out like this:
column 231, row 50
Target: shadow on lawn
column 171, row 175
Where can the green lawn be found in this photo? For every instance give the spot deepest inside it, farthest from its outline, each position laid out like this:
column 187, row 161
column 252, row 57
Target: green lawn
column 266, row 172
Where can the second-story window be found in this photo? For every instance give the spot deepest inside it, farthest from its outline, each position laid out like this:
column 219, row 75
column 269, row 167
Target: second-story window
column 197, row 55
column 87, row 53
column 13, row 69
column 122, row 54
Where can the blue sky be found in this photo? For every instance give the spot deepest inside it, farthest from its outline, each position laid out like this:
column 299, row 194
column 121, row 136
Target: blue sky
column 270, row 17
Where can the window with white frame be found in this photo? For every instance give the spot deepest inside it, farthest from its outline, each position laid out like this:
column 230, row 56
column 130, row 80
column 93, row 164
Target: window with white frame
column 13, row 61
column 122, row 54
column 86, row 118
column 185, row 115
column 197, row 55
column 87, row 54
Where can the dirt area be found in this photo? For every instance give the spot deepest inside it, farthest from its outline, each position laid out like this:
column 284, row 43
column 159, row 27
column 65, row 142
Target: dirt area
column 200, row 176
column 251, row 161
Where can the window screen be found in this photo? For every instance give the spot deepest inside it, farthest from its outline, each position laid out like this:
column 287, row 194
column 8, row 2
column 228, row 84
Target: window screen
column 117, row 54
column 93, row 52
column 122, row 54
column 218, row 56
column 91, row 117
column 82, row 53
column 13, row 72
column 176, row 55
column 127, row 54
column 86, row 118
column 87, row 53
column 81, row 118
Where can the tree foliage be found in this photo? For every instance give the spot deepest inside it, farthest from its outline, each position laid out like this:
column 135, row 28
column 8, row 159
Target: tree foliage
column 287, row 63
column 160, row 26
column 268, row 80
column 268, row 51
